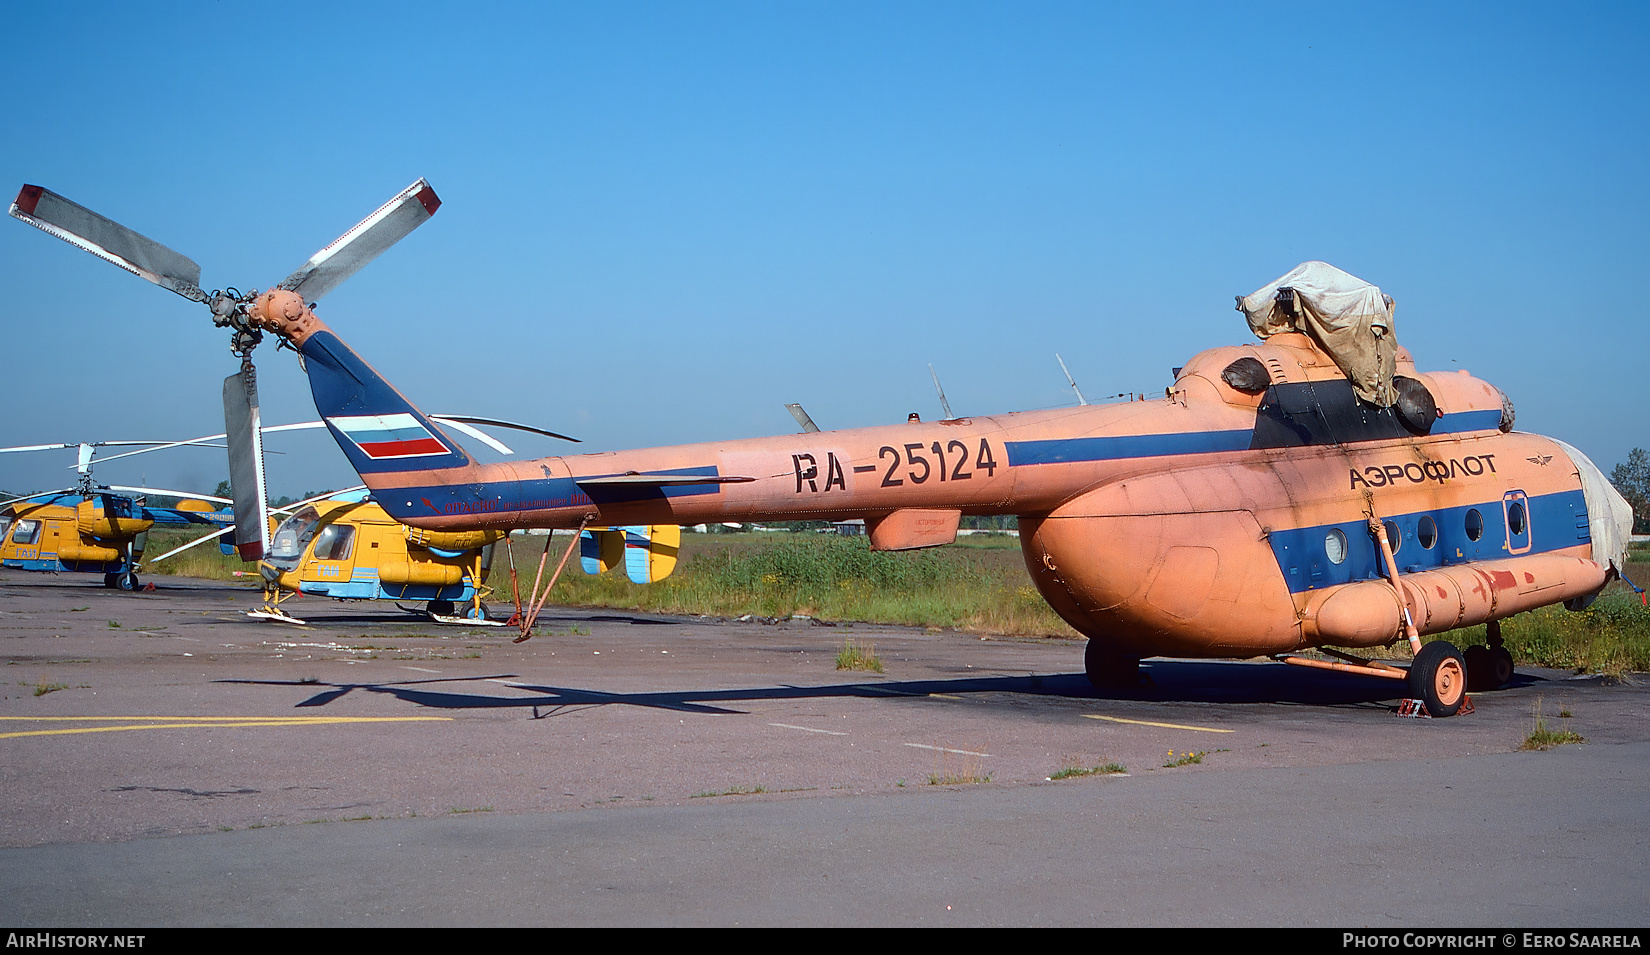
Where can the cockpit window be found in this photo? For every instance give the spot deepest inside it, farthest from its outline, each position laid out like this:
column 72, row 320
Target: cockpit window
column 26, row 532
column 333, row 543
column 293, row 534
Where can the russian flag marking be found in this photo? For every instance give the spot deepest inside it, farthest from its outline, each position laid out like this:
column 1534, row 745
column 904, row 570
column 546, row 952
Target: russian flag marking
column 381, row 437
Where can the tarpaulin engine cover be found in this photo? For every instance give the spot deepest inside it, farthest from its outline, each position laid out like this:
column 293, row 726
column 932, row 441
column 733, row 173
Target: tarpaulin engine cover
column 1347, row 317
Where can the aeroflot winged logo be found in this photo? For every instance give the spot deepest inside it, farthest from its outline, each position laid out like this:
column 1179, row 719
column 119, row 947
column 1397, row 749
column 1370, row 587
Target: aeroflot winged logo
column 388, row 436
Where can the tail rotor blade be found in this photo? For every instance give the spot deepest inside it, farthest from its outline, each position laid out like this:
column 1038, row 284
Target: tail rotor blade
column 109, row 241
column 246, row 463
column 360, row 245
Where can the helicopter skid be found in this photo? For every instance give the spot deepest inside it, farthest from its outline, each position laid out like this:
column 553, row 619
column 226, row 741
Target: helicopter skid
column 465, row 621
column 276, row 616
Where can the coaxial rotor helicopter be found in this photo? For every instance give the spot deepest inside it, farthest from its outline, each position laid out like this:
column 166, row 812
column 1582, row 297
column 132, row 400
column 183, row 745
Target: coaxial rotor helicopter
column 95, row 528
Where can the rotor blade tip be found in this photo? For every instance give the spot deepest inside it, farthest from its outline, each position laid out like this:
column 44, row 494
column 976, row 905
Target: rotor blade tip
column 27, row 198
column 428, row 198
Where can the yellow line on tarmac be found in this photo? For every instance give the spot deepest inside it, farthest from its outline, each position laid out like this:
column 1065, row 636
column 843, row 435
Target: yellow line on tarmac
column 202, row 722
column 1170, row 726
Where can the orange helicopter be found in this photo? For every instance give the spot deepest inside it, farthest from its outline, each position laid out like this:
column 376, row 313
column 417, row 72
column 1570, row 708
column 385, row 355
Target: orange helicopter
column 1312, row 490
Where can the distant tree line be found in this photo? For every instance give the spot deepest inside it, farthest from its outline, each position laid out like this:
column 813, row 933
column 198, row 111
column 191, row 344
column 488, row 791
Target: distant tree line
column 1633, row 481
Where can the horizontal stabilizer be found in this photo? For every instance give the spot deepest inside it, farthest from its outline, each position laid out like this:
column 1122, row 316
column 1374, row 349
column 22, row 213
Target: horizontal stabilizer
column 650, row 551
column 600, row 549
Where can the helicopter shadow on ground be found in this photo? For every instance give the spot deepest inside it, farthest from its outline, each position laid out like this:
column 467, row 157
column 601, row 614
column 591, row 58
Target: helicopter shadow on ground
column 1170, row 682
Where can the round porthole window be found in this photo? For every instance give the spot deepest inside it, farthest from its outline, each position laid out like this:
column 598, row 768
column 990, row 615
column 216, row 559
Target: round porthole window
column 1475, row 524
column 1334, row 543
column 1426, row 532
column 1394, row 536
column 1515, row 518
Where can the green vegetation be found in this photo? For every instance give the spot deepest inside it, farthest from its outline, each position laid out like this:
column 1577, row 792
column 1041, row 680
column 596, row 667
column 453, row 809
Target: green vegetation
column 1545, row 738
column 858, row 656
column 730, row 791
column 1184, row 759
column 958, row 778
column 979, row 584
column 1074, row 767
column 203, row 560
column 42, row 688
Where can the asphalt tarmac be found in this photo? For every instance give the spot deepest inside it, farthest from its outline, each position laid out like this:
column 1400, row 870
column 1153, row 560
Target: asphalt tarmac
column 168, row 761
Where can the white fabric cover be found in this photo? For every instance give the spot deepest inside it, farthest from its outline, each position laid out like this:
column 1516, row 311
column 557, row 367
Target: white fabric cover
column 1347, row 317
column 1609, row 516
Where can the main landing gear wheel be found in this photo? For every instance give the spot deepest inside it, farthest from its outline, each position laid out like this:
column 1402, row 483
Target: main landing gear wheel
column 1501, row 665
column 1488, row 668
column 1438, row 678
column 471, row 613
column 1108, row 670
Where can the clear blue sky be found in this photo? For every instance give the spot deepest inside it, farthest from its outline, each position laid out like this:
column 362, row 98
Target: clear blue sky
column 664, row 221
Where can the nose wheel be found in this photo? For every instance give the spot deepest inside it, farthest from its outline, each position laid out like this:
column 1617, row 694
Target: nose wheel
column 1438, row 678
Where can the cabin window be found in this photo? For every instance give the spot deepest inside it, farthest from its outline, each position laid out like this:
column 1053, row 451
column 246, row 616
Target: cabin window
column 333, row 543
column 1334, row 544
column 1394, row 536
column 1426, row 532
column 1515, row 518
column 1475, row 524
column 5, row 525
column 26, row 532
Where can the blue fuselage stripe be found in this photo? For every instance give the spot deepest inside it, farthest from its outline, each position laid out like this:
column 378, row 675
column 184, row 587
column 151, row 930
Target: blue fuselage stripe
column 1554, row 522
column 1115, row 447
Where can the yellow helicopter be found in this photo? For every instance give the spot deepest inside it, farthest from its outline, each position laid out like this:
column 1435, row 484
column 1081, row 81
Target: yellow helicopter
column 92, row 528
column 344, row 546
column 347, row 548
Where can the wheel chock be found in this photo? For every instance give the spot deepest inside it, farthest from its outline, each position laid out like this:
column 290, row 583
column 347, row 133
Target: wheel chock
column 1417, row 709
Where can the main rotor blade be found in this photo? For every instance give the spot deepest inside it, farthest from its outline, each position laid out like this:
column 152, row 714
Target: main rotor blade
column 474, row 432
column 167, row 491
column 246, row 464
column 495, row 422
column 109, row 241
column 199, row 540
column 360, row 245
column 290, row 508
column 30, row 497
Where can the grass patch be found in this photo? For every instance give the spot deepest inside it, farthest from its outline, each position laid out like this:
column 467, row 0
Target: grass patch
column 957, row 778
column 731, row 791
column 204, row 560
column 457, row 811
column 42, row 688
column 1184, row 759
column 1545, row 738
column 971, row 770
column 1074, row 768
column 857, row 655
column 981, row 586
